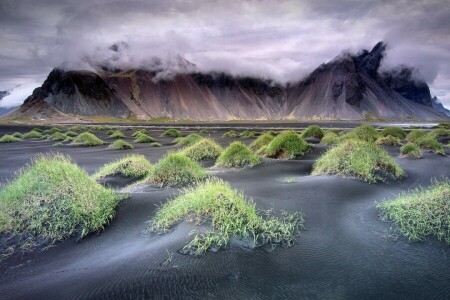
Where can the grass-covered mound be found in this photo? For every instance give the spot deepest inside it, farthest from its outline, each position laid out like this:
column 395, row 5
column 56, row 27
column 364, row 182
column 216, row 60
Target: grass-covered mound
column 203, row 150
column 57, row 136
column 189, row 140
column 262, row 141
column 88, row 139
column 440, row 132
column 120, row 145
column 415, row 134
column 204, row 131
column 231, row 134
column 155, row 144
column 410, row 150
column 71, row 133
column 172, row 132
column 176, row 169
column 17, row 135
column 421, row 213
column 54, row 199
column 365, row 133
column 287, row 144
column 52, row 130
column 237, row 155
column 135, row 165
column 330, row 138
column 144, row 138
column 313, row 131
column 78, row 128
column 360, row 159
column 117, row 135
column 9, row 139
column 138, row 132
column 247, row 134
column 32, row 135
column 397, row 132
column 388, row 140
column 430, row 143
column 230, row 215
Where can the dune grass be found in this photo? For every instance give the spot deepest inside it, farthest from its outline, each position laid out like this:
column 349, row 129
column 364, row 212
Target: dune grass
column 17, row 135
column 37, row 129
column 172, row 132
column 410, row 150
column 365, row 133
column 52, row 130
column 415, row 134
column 397, row 132
column 287, row 144
column 32, row 135
column 430, row 143
column 189, row 139
column 247, row 134
column 313, row 131
column 71, row 133
column 263, row 140
column 439, row 132
column 138, row 132
column 87, row 139
column 237, row 155
column 203, row 150
column 57, row 136
column 117, row 134
column 9, row 139
column 330, row 138
column 120, row 145
column 176, row 169
column 144, row 138
column 360, row 159
column 53, row 199
column 134, row 165
column 230, row 134
column 230, row 215
column 388, row 140
column 155, row 144
column 421, row 213
column 78, row 128
column 204, row 131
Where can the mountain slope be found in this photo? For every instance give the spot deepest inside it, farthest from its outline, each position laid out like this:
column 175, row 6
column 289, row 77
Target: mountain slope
column 348, row 87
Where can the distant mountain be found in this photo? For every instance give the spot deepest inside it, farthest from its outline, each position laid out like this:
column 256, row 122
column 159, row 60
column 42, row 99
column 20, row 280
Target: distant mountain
column 349, row 87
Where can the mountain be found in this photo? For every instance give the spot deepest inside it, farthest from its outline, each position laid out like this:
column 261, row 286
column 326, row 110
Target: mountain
column 348, row 87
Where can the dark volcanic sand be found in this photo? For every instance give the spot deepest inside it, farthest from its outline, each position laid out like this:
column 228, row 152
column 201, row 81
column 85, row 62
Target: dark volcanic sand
column 344, row 253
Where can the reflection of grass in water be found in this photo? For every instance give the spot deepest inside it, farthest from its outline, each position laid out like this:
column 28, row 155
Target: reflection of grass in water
column 421, row 213
column 230, row 215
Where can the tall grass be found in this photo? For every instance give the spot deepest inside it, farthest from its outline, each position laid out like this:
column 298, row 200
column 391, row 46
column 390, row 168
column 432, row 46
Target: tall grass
column 410, row 150
column 287, row 144
column 263, row 140
column 237, row 155
column 313, row 131
column 397, row 132
column 203, row 149
column 135, row 165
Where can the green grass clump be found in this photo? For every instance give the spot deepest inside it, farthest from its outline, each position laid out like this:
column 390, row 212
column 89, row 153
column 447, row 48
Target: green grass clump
column 313, row 131
column 263, row 140
column 231, row 134
column 230, row 215
column 57, row 136
column 430, row 143
column 204, row 131
column 203, row 149
column 421, row 213
column 32, row 135
column 410, row 150
column 388, row 140
column 415, row 134
column 287, row 144
column 37, row 129
column 360, row 159
column 237, row 155
column 247, row 134
column 52, row 130
column 120, row 145
column 78, row 128
column 135, row 165
column 143, row 138
column 117, row 135
column 88, row 139
column 71, row 133
column 176, row 169
column 397, row 132
column 365, row 133
column 54, row 199
column 155, row 144
column 17, row 135
column 189, row 140
column 109, row 132
column 440, row 132
column 9, row 139
column 330, row 138
column 172, row 132
column 138, row 132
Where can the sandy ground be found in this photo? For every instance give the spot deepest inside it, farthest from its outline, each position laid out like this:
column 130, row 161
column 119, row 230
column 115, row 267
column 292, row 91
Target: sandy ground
column 344, row 253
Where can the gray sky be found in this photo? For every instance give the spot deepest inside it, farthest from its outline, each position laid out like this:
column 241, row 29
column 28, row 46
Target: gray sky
column 282, row 40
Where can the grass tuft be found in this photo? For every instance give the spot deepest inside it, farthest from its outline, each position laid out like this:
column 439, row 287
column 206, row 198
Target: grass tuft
column 57, row 136
column 421, row 213
column 388, row 140
column 144, row 138
column 140, row 131
column 117, row 135
column 230, row 215
column 121, row 145
column 203, row 150
column 430, row 143
column 9, row 139
column 231, row 134
column 247, row 134
column 172, row 132
column 17, row 135
column 330, row 138
column 71, row 133
column 87, row 139
column 263, row 140
column 287, row 144
column 365, row 133
column 237, row 155
column 360, row 159
column 410, row 150
column 32, row 135
column 313, row 131
column 189, row 140
column 415, row 134
column 135, row 165
column 397, row 132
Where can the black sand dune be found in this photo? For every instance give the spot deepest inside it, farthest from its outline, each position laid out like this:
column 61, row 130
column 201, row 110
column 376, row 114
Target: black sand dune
column 344, row 253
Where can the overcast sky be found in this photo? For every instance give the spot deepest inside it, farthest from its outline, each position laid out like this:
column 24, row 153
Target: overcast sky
column 282, row 40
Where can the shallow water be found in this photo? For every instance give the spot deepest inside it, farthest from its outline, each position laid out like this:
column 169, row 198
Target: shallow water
column 344, row 253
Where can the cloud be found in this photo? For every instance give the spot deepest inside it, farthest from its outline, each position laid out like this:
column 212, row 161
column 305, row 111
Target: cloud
column 18, row 94
column 283, row 40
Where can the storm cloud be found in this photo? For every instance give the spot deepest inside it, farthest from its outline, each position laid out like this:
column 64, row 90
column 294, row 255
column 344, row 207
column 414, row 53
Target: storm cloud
column 282, row 40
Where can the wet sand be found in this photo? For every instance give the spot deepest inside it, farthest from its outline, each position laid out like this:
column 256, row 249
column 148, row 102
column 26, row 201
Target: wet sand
column 344, row 253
